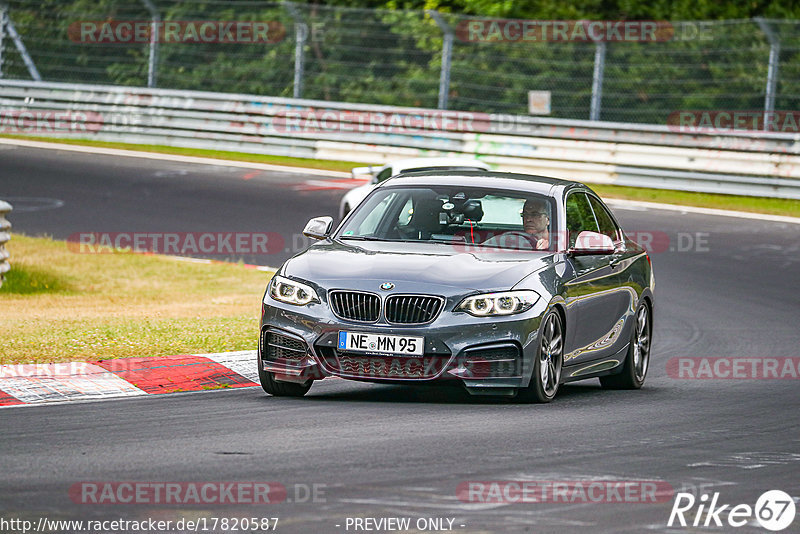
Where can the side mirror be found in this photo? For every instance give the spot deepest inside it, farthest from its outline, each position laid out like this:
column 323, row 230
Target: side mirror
column 592, row 243
column 318, row 227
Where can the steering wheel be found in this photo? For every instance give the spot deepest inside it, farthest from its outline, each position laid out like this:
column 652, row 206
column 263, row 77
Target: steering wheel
column 527, row 237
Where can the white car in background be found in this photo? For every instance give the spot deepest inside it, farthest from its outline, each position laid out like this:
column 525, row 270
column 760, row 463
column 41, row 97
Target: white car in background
column 379, row 174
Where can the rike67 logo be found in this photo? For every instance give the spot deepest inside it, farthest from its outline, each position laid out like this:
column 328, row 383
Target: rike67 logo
column 774, row 510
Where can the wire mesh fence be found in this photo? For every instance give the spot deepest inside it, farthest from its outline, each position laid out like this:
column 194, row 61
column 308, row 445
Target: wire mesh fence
column 406, row 57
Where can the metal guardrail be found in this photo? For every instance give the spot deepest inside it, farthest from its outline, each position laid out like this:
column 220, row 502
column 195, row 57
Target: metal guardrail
column 5, row 235
column 744, row 163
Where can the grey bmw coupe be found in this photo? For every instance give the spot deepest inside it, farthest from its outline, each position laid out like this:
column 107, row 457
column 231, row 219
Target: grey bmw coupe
column 505, row 284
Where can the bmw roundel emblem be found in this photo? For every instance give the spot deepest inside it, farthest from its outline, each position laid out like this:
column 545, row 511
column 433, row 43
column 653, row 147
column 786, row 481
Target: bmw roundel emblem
column 386, row 286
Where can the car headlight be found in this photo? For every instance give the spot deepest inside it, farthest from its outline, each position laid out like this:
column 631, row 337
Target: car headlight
column 506, row 303
column 291, row 292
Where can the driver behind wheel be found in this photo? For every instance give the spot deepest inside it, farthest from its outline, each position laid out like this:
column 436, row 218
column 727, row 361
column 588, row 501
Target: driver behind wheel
column 535, row 234
column 535, row 222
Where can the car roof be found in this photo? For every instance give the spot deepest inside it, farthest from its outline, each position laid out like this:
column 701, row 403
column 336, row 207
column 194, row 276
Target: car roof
column 413, row 163
column 500, row 180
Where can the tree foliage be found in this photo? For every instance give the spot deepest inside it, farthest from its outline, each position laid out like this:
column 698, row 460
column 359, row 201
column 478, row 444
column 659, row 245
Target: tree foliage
column 390, row 52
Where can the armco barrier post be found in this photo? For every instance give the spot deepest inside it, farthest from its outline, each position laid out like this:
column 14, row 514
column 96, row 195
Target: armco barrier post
column 772, row 70
column 152, row 56
column 597, row 80
column 300, row 38
column 447, row 54
column 5, row 235
column 26, row 58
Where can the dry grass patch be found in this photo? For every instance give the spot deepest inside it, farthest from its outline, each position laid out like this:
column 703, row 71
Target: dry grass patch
column 57, row 305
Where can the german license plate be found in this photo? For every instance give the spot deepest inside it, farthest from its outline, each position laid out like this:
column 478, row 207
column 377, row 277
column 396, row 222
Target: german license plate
column 363, row 342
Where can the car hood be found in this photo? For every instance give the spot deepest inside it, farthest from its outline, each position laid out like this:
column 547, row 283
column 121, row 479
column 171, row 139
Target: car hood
column 412, row 267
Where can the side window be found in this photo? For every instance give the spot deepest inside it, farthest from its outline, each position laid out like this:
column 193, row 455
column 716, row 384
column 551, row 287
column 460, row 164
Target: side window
column 405, row 214
column 385, row 174
column 604, row 219
column 368, row 218
column 579, row 216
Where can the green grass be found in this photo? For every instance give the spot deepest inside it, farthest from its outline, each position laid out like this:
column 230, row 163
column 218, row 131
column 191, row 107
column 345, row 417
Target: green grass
column 21, row 280
column 288, row 161
column 772, row 206
column 58, row 305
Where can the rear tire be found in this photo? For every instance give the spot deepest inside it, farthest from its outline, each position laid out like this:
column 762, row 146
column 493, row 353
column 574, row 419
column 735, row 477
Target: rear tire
column 549, row 361
column 637, row 360
column 277, row 388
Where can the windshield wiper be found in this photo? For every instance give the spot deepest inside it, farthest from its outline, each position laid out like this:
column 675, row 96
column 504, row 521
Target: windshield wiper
column 370, row 238
column 437, row 241
column 361, row 238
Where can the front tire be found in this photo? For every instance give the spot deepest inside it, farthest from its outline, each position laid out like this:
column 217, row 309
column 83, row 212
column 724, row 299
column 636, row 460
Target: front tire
column 277, row 388
column 549, row 361
column 637, row 360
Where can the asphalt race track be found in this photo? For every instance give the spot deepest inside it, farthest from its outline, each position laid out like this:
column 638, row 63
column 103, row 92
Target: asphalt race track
column 725, row 287
column 108, row 194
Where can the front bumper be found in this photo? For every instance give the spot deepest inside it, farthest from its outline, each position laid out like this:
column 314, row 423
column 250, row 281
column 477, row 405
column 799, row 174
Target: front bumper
column 491, row 356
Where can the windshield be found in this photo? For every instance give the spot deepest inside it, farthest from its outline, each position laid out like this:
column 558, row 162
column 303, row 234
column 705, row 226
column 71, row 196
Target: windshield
column 483, row 217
